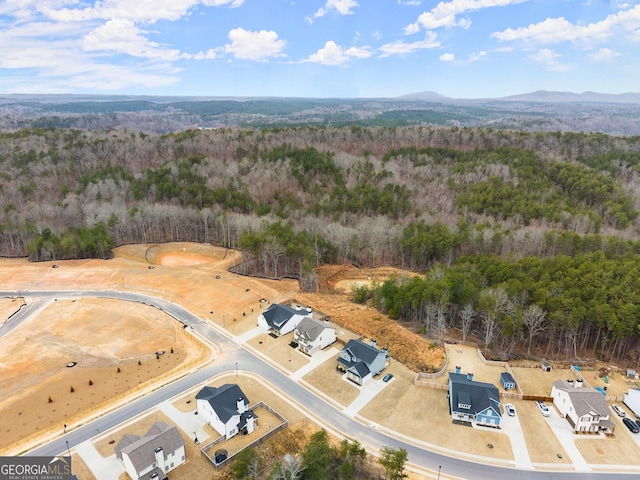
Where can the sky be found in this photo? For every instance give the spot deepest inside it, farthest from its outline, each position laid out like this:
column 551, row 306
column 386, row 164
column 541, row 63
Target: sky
column 319, row 48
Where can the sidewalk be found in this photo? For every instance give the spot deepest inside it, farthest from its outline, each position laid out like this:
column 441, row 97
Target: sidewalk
column 315, row 360
column 103, row 468
column 566, row 437
column 368, row 391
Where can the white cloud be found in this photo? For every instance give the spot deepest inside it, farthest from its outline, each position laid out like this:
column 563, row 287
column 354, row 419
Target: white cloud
column 447, row 57
column 334, row 54
column 122, row 36
column 399, row 47
column 549, row 59
column 343, row 7
column 445, row 14
column 412, row 3
column 604, row 55
column 475, row 56
column 411, row 29
column 557, row 30
column 256, row 46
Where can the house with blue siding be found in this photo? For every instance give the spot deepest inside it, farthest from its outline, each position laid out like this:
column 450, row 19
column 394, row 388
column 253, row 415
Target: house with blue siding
column 477, row 403
column 361, row 361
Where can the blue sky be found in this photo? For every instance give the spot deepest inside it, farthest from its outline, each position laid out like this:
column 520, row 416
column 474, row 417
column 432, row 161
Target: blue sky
column 319, row 48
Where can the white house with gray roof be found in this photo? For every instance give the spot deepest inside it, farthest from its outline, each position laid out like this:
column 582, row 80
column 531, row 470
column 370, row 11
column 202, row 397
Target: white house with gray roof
column 584, row 408
column 361, row 360
column 152, row 456
column 312, row 335
column 226, row 409
column 281, row 319
column 477, row 403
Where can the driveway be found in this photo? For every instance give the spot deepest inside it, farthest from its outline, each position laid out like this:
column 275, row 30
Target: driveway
column 565, row 435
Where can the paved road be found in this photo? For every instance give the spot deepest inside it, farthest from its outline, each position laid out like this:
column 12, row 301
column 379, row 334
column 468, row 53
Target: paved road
column 246, row 361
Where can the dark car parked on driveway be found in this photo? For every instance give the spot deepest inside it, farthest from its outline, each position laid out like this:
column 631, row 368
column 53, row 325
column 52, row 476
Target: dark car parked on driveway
column 631, row 425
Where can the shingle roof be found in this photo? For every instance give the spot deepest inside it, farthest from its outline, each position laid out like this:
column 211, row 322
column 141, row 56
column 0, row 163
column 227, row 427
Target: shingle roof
column 141, row 452
column 506, row 377
column 223, row 400
column 479, row 395
column 277, row 315
column 585, row 400
column 361, row 369
column 359, row 351
column 310, row 328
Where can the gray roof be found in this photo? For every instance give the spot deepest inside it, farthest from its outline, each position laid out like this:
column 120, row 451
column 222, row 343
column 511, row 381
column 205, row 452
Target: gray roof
column 360, row 369
column 506, row 377
column 311, row 328
column 585, row 400
column 141, row 451
column 479, row 395
column 359, row 351
column 277, row 315
column 223, row 400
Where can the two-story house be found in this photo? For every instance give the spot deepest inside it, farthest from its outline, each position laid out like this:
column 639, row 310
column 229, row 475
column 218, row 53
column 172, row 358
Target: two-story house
column 584, row 408
column 312, row 335
column 161, row 450
column 473, row 402
column 361, row 360
column 281, row 319
column 226, row 409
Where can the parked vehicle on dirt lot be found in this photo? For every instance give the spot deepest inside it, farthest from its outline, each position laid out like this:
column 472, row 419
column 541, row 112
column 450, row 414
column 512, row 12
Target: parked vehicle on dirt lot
column 511, row 410
column 543, row 408
column 387, row 377
column 631, row 425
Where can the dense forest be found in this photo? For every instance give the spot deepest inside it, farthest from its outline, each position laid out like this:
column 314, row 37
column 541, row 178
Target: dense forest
column 528, row 240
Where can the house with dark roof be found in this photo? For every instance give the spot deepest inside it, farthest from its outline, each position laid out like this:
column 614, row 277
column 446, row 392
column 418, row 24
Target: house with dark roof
column 312, row 335
column 361, row 360
column 477, row 403
column 585, row 408
column 281, row 319
column 161, row 450
column 507, row 381
column 226, row 409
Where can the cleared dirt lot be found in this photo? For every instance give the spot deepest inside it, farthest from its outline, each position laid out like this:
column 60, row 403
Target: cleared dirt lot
column 101, row 336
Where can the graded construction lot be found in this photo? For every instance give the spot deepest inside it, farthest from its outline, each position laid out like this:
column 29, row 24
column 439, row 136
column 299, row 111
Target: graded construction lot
column 113, row 347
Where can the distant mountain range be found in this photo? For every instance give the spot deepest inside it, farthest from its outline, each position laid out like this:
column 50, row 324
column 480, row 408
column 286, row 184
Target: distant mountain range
column 540, row 96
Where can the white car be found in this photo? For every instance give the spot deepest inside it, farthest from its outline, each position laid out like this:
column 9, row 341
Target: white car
column 511, row 410
column 543, row 408
column 619, row 411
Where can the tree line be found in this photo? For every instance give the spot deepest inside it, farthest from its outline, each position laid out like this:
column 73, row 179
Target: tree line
column 295, row 198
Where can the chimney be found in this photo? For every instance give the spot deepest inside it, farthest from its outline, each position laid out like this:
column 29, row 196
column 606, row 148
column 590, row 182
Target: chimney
column 469, row 376
column 373, row 343
column 298, row 307
column 579, row 383
column 309, row 309
column 159, row 454
column 240, row 405
column 458, row 369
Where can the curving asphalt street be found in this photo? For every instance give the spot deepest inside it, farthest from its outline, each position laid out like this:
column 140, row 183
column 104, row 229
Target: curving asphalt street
column 232, row 355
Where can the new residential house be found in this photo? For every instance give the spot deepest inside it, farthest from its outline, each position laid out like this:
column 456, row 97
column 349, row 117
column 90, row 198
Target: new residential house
column 281, row 319
column 226, row 409
column 361, row 360
column 152, row 456
column 312, row 335
column 473, row 402
column 584, row 408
